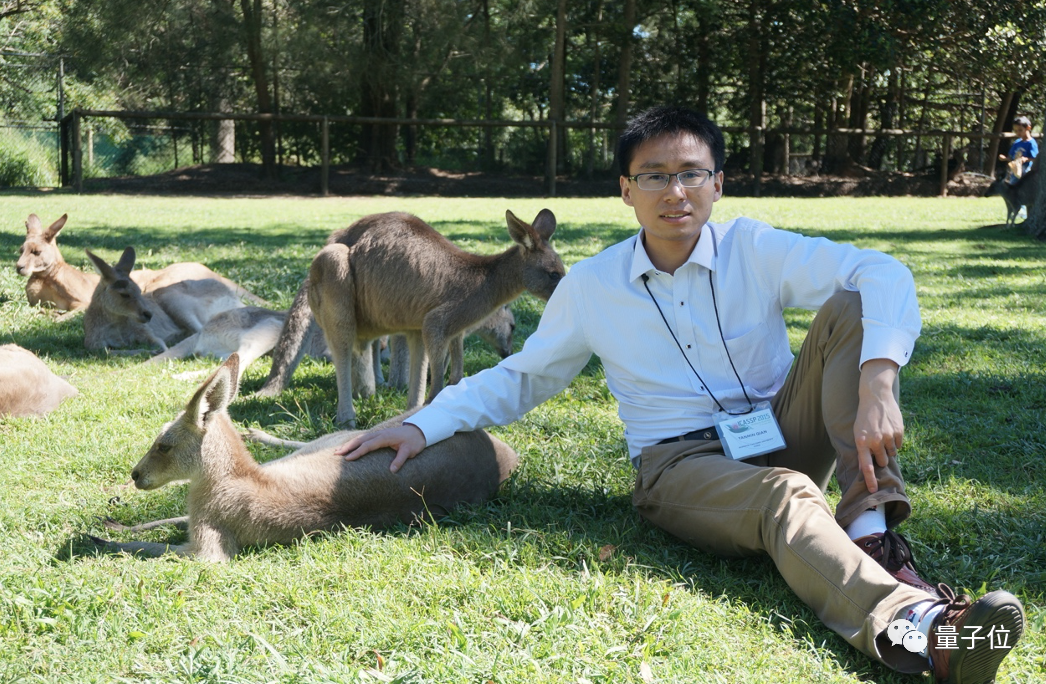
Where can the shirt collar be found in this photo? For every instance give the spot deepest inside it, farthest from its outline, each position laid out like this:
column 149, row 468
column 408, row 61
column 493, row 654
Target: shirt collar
column 704, row 254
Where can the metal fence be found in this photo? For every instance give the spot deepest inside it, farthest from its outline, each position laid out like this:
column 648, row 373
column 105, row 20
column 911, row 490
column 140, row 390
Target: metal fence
column 98, row 144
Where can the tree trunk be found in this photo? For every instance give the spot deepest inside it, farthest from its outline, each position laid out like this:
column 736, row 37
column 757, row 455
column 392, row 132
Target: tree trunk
column 756, row 103
column 859, row 116
column 252, row 23
column 1036, row 221
column 704, row 63
column 593, row 93
column 382, row 28
column 1003, row 115
column 887, row 112
column 837, row 157
column 557, row 94
column 624, row 69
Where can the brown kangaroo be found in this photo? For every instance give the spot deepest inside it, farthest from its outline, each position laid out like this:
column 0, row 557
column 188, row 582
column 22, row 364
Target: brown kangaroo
column 389, row 273
column 234, row 502
column 53, row 281
column 120, row 315
column 27, row 386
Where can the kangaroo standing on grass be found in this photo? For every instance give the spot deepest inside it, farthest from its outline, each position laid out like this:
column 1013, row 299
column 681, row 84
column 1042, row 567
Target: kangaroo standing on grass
column 1024, row 192
column 389, row 273
column 120, row 315
column 496, row 330
column 235, row 502
column 53, row 281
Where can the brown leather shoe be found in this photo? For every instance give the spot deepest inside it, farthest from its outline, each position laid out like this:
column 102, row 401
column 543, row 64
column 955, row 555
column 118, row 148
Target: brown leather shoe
column 969, row 640
column 891, row 551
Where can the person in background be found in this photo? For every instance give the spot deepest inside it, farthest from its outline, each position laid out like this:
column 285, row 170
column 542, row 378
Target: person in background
column 1023, row 151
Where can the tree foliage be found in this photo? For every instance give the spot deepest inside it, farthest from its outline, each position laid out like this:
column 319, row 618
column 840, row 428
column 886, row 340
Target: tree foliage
column 755, row 64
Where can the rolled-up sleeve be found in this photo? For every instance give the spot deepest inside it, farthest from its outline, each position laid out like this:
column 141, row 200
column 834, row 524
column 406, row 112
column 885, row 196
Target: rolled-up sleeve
column 809, row 270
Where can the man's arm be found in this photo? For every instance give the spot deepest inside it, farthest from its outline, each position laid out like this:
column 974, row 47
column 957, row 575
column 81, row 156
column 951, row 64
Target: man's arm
column 879, row 427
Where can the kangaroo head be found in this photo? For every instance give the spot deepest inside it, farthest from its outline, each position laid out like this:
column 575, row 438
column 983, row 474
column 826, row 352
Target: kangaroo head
column 542, row 267
column 181, row 450
column 39, row 252
column 116, row 293
column 497, row 328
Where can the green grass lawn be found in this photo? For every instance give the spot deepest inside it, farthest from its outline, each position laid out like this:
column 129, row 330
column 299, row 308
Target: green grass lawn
column 557, row 579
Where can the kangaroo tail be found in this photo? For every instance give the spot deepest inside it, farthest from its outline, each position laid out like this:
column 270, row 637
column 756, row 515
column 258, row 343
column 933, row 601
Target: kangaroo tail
column 290, row 347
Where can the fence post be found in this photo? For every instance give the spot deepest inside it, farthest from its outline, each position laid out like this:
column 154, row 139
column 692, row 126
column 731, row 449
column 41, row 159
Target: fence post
column 551, row 162
column 756, row 160
column 63, row 142
column 325, row 159
column 78, row 169
column 946, row 153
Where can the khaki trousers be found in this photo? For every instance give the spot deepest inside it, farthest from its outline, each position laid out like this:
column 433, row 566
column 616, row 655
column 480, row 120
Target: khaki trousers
column 775, row 503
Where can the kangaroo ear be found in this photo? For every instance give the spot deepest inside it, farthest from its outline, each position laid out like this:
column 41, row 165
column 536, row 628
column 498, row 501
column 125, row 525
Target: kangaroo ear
column 215, row 394
column 520, row 232
column 101, row 266
column 126, row 262
column 32, row 224
column 545, row 224
column 54, row 228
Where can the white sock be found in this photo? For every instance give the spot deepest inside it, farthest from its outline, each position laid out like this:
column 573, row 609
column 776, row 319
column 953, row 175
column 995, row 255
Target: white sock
column 922, row 615
column 868, row 522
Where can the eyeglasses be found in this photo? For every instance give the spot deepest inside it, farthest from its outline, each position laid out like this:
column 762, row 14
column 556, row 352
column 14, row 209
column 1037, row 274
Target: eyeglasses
column 691, row 178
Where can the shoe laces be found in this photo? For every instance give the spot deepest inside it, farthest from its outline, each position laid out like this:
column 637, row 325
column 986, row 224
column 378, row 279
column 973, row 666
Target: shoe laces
column 896, row 552
column 954, row 605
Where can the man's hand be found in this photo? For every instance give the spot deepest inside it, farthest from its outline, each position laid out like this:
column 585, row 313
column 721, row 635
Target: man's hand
column 879, row 428
column 408, row 441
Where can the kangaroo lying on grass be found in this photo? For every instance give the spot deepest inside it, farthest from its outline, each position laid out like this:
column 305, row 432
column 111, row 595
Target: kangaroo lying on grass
column 235, row 502
column 53, row 281
column 27, row 386
column 389, row 273
column 249, row 331
column 120, row 315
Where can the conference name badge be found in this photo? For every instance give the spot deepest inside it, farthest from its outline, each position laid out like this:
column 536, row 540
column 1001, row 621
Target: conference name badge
column 750, row 434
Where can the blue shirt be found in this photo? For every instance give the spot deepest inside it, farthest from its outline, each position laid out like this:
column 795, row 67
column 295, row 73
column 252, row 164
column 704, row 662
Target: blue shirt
column 1028, row 148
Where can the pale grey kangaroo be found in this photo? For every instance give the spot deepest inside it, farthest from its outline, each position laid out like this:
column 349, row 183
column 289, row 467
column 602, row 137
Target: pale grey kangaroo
column 27, row 385
column 389, row 273
column 235, row 502
column 120, row 315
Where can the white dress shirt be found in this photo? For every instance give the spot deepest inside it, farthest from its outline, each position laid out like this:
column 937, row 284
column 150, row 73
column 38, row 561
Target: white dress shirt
column 602, row 307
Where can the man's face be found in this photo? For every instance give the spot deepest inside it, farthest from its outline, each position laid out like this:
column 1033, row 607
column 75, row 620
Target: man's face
column 673, row 216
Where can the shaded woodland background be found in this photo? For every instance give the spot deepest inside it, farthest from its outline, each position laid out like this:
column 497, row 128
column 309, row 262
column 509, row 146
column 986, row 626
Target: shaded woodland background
column 761, row 69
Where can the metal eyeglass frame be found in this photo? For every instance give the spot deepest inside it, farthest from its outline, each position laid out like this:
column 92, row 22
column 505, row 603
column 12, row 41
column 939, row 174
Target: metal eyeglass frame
column 706, row 173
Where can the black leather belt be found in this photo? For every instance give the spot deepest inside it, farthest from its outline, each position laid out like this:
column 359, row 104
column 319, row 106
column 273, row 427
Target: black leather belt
column 708, row 433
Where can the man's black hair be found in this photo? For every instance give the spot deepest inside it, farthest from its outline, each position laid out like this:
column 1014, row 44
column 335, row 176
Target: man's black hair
column 669, row 119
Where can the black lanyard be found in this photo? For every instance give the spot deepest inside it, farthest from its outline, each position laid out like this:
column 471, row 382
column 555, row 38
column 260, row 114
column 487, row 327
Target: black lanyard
column 719, row 324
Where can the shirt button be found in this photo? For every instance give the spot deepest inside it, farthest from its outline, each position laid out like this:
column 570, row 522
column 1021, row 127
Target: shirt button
column 680, row 303
column 688, row 346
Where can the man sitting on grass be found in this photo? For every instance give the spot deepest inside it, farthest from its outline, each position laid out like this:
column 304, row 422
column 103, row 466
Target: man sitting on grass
column 687, row 319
